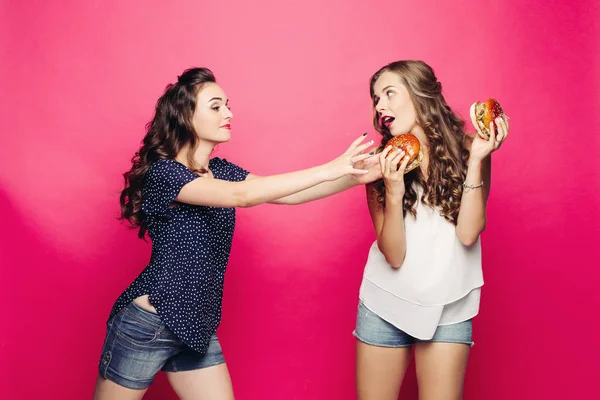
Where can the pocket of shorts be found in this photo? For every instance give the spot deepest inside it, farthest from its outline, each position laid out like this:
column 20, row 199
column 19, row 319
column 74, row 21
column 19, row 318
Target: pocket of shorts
column 136, row 330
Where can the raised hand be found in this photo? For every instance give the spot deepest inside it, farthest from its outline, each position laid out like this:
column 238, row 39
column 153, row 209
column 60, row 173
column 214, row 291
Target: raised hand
column 346, row 163
column 482, row 148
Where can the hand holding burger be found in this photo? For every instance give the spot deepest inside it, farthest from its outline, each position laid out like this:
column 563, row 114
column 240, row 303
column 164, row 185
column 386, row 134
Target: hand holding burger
column 491, row 124
column 411, row 146
column 482, row 114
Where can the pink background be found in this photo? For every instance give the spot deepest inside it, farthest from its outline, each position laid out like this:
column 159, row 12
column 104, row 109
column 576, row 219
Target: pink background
column 79, row 81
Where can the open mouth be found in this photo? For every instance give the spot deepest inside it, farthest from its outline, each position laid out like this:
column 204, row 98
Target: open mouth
column 387, row 121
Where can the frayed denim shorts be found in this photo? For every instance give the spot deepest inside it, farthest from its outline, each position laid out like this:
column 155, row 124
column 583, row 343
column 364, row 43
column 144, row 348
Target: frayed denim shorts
column 373, row 330
column 138, row 345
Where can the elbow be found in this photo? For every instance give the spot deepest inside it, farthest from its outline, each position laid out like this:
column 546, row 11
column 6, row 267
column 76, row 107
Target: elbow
column 468, row 241
column 243, row 200
column 394, row 258
column 395, row 261
column 469, row 238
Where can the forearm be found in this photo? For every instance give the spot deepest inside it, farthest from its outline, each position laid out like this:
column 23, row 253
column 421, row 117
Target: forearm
column 392, row 239
column 472, row 214
column 318, row 191
column 270, row 188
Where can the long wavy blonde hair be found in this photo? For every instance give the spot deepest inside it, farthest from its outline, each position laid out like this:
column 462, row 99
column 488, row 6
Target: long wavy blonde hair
column 448, row 155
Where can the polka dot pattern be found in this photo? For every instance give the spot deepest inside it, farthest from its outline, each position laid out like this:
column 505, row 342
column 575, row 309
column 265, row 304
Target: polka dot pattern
column 190, row 251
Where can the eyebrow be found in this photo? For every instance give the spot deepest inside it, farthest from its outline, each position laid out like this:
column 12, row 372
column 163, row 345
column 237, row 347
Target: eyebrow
column 218, row 98
column 387, row 87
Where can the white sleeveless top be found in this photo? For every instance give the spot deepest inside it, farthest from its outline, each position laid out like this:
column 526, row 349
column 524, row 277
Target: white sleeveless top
column 438, row 283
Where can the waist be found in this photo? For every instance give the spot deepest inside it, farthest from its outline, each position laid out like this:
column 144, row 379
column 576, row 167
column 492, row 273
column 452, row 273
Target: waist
column 427, row 278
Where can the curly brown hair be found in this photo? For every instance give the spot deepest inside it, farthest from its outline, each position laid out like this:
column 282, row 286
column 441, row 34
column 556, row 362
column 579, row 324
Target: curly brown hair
column 170, row 130
column 448, row 155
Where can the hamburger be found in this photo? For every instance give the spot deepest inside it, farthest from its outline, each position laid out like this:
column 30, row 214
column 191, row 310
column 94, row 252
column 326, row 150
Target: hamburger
column 482, row 114
column 411, row 146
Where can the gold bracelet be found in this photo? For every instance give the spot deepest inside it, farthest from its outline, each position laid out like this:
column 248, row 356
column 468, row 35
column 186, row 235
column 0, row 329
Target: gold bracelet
column 468, row 188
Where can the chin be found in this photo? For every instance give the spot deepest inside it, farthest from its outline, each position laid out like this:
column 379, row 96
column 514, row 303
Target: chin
column 223, row 138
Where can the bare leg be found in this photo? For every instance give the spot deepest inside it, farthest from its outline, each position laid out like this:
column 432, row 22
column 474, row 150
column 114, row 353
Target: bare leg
column 441, row 369
column 212, row 383
column 380, row 371
column 108, row 390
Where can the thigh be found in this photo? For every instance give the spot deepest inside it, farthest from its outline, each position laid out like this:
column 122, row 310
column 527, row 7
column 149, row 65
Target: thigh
column 383, row 353
column 380, row 371
column 441, row 369
column 211, row 383
column 200, row 376
column 109, row 390
column 442, row 361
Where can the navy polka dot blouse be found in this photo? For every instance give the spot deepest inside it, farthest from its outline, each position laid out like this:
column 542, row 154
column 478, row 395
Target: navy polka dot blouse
column 190, row 251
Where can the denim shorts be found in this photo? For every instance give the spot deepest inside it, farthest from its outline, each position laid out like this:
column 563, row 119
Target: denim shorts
column 138, row 345
column 373, row 330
